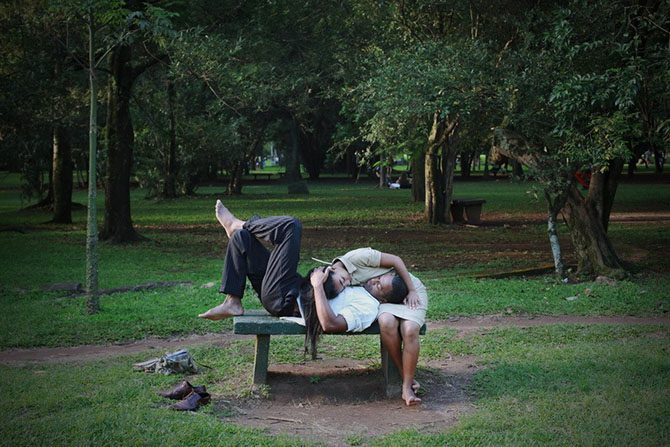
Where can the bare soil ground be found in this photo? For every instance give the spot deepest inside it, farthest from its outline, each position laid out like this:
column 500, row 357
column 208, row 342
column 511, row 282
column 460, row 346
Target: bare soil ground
column 502, row 238
column 347, row 403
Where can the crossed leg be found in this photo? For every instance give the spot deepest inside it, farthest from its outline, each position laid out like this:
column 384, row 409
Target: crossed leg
column 401, row 340
column 273, row 274
column 232, row 305
column 228, row 221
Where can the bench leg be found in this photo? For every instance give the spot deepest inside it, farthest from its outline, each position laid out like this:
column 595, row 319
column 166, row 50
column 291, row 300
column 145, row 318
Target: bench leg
column 261, row 359
column 457, row 213
column 392, row 379
column 473, row 212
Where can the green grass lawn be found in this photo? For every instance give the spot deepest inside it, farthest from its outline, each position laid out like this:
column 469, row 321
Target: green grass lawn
column 559, row 385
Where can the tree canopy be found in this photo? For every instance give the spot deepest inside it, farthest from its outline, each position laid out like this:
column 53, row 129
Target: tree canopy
column 191, row 92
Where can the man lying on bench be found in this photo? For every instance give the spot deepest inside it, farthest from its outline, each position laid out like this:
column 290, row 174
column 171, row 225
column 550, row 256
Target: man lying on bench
column 283, row 292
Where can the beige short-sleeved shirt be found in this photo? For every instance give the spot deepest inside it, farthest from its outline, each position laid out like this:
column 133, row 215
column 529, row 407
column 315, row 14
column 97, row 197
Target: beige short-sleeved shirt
column 363, row 264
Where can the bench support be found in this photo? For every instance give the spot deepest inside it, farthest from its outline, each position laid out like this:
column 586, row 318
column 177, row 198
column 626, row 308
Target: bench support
column 261, row 359
column 392, row 379
column 471, row 207
column 264, row 326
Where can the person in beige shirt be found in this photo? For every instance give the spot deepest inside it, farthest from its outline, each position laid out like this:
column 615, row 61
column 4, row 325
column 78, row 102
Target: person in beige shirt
column 399, row 323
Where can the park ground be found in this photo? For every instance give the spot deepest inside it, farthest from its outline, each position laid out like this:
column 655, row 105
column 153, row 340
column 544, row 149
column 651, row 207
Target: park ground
column 511, row 357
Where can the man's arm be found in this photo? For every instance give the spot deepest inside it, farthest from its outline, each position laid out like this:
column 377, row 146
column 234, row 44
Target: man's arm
column 389, row 260
column 330, row 322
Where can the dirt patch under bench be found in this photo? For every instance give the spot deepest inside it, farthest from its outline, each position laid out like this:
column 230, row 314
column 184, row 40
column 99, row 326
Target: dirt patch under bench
column 339, row 402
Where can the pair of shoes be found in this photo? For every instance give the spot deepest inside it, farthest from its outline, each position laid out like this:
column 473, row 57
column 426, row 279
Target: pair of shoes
column 190, row 397
column 192, row 401
column 182, row 390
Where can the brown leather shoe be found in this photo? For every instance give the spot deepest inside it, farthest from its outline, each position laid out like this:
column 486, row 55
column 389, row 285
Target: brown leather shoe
column 182, row 390
column 192, row 402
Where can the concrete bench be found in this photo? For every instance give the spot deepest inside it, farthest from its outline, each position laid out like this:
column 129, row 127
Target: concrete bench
column 256, row 174
column 263, row 326
column 471, row 207
column 268, row 175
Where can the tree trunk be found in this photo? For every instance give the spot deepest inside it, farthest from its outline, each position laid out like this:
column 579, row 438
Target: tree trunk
column 448, row 169
column 296, row 185
column 632, row 161
column 118, row 227
column 602, row 189
column 439, row 169
column 517, row 170
column 555, row 205
column 434, row 206
column 418, row 177
column 62, row 176
column 93, row 300
column 235, row 181
column 352, row 165
column 659, row 159
column 170, row 183
column 313, row 148
column 555, row 244
column 466, row 163
column 383, row 173
column 595, row 253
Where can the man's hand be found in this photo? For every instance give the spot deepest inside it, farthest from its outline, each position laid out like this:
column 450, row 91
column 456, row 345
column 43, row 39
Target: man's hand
column 412, row 300
column 318, row 277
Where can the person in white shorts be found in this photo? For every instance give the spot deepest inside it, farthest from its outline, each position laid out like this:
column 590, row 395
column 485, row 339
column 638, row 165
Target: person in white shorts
column 399, row 321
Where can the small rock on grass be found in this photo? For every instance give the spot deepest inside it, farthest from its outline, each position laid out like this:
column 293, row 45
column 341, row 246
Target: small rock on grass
column 605, row 280
column 571, row 298
column 208, row 285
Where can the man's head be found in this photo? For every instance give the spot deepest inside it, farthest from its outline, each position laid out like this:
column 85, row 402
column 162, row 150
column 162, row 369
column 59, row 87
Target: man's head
column 387, row 288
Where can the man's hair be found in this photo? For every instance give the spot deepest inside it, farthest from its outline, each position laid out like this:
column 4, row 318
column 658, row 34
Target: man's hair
column 398, row 291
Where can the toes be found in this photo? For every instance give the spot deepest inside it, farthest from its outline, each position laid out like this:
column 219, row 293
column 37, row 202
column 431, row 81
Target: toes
column 413, row 401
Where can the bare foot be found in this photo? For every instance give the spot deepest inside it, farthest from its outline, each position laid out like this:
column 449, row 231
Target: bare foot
column 415, row 386
column 409, row 397
column 228, row 221
column 231, row 307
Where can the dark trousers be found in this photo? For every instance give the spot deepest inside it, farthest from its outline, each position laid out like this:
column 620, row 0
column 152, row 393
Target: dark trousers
column 273, row 274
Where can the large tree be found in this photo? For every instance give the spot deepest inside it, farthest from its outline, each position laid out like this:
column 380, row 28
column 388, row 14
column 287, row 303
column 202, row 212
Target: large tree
column 127, row 60
column 432, row 88
column 577, row 75
column 431, row 71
